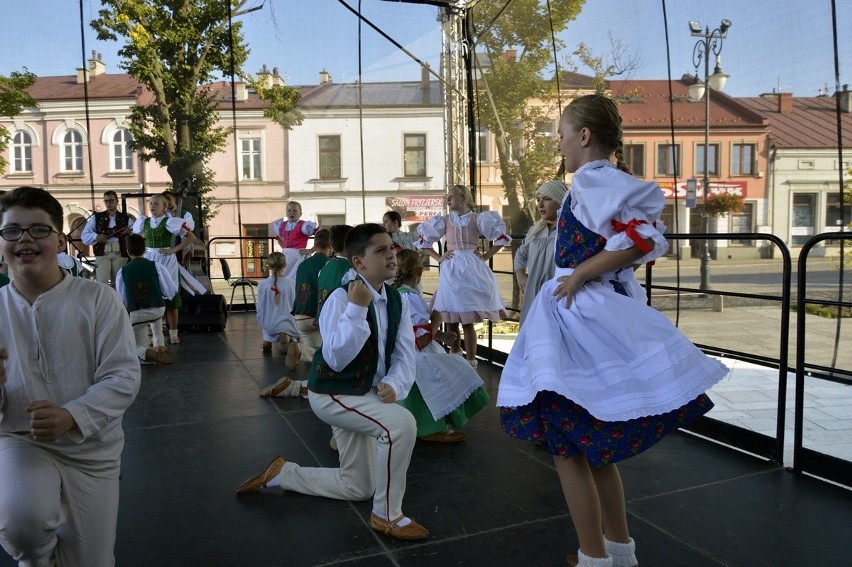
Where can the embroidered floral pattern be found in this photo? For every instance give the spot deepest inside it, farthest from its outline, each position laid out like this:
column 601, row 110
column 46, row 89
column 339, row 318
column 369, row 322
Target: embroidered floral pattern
column 562, row 427
column 574, row 242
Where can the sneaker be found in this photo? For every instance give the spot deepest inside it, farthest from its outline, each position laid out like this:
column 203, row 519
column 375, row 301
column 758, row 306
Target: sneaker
column 294, row 354
column 284, row 388
column 152, row 355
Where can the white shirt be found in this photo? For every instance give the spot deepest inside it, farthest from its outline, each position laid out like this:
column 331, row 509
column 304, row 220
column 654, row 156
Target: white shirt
column 73, row 346
column 344, row 330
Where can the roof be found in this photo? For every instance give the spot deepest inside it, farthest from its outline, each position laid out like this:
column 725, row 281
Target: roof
column 645, row 104
column 118, row 85
column 397, row 94
column 812, row 123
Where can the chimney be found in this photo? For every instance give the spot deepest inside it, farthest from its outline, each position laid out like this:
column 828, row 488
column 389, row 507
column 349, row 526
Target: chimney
column 424, row 77
column 325, row 77
column 264, row 78
column 82, row 75
column 844, row 99
column 510, row 54
column 277, row 80
column 785, row 102
column 240, row 91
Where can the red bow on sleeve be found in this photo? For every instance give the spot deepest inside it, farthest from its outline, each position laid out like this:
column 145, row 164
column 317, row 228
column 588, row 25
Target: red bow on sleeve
column 630, row 230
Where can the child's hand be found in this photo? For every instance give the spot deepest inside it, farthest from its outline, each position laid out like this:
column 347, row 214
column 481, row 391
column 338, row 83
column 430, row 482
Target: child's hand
column 359, row 294
column 445, row 337
column 386, row 393
column 3, row 356
column 567, row 287
column 167, row 251
column 306, row 251
column 48, row 421
column 447, row 255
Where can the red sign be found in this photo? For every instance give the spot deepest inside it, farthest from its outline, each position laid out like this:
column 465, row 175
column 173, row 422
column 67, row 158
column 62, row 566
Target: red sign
column 417, row 209
column 738, row 188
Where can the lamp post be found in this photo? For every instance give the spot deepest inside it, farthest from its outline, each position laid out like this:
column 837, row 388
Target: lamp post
column 710, row 42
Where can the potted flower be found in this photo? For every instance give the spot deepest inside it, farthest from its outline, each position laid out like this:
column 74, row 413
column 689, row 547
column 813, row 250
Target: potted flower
column 721, row 204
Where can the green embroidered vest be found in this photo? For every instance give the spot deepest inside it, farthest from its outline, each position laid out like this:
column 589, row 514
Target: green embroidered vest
column 159, row 237
column 329, row 279
column 357, row 377
column 307, row 285
column 141, row 285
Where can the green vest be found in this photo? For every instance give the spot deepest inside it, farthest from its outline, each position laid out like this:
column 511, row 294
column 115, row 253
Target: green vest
column 141, row 285
column 329, row 279
column 357, row 377
column 159, row 237
column 307, row 285
column 4, row 280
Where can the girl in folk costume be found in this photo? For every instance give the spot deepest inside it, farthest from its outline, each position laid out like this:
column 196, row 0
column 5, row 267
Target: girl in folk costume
column 447, row 392
column 275, row 296
column 596, row 375
column 158, row 231
column 533, row 261
column 293, row 234
column 467, row 290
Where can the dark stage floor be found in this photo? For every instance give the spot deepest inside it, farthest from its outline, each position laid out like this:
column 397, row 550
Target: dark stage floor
column 198, row 429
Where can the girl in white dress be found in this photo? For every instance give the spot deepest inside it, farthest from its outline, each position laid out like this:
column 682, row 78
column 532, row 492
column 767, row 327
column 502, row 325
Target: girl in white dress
column 467, row 290
column 293, row 234
column 275, row 296
column 596, row 375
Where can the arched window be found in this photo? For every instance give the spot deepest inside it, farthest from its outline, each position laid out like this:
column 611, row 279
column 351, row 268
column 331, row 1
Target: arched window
column 22, row 153
column 121, row 154
column 72, row 151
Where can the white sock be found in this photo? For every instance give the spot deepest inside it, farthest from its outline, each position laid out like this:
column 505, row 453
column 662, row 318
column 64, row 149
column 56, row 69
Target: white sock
column 402, row 523
column 173, row 332
column 276, row 481
column 623, row 554
column 586, row 561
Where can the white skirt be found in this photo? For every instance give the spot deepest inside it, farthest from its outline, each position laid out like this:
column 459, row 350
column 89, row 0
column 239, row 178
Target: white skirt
column 467, row 290
column 611, row 354
column 294, row 258
column 445, row 380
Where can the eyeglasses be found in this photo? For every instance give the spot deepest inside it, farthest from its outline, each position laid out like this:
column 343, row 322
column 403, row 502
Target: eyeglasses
column 36, row 231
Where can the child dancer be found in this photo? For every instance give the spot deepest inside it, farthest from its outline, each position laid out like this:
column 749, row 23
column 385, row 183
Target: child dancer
column 366, row 363
column 293, row 234
column 467, row 290
column 275, row 296
column 597, row 376
column 533, row 261
column 447, row 392
column 158, row 230
column 307, row 293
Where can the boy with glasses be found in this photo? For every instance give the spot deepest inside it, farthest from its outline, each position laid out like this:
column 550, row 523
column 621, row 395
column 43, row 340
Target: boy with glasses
column 61, row 404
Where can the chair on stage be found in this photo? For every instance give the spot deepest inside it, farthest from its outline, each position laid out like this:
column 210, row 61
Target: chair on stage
column 241, row 283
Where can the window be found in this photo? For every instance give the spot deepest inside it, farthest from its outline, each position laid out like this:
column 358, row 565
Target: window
column 634, row 159
column 72, row 151
column 712, row 160
column 743, row 222
column 482, row 145
column 22, row 153
column 122, row 155
column 668, row 159
column 833, row 217
column 742, row 159
column 329, row 157
column 415, row 155
column 250, row 158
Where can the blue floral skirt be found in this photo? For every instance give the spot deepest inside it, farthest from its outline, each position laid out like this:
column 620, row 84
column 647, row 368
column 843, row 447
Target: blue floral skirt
column 562, row 427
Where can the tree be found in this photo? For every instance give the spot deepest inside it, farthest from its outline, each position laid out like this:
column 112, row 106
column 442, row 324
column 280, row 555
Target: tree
column 13, row 100
column 619, row 63
column 176, row 48
column 520, row 96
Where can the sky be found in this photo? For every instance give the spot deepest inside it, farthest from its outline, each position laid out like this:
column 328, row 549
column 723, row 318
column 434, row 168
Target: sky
column 780, row 45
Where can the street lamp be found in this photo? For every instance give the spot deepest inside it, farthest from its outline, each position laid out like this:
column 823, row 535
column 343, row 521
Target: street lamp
column 710, row 42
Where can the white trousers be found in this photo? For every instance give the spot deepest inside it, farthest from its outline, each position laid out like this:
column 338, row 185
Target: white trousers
column 52, row 513
column 108, row 265
column 141, row 319
column 309, row 336
column 374, row 442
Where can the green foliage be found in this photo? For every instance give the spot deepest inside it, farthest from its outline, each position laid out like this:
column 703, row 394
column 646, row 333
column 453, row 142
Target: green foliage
column 176, row 48
column 13, row 99
column 282, row 103
column 517, row 95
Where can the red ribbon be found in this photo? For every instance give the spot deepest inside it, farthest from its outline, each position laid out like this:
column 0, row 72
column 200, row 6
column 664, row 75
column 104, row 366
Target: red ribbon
column 630, row 230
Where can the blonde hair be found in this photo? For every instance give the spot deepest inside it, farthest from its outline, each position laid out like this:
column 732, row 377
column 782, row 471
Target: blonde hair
column 600, row 115
column 464, row 191
column 275, row 263
column 408, row 266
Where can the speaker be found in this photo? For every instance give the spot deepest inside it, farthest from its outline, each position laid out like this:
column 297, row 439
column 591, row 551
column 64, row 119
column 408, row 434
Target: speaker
column 203, row 313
